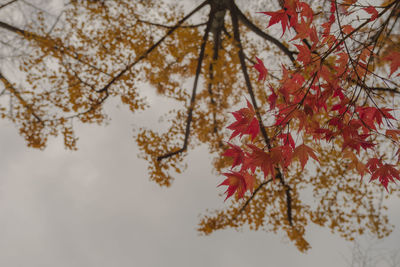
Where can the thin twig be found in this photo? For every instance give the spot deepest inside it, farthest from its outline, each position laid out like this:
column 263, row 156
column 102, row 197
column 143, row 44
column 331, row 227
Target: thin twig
column 46, row 40
column 251, row 198
column 8, row 3
column 8, row 85
column 131, row 65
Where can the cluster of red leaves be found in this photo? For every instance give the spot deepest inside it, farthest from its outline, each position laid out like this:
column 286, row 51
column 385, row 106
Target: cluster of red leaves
column 307, row 95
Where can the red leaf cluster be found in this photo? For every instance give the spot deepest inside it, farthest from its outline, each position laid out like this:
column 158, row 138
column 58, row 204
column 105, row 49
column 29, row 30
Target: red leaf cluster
column 314, row 97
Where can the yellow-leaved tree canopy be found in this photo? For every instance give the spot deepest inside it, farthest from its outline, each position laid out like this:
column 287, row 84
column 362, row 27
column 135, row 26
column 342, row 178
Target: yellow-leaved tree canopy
column 200, row 54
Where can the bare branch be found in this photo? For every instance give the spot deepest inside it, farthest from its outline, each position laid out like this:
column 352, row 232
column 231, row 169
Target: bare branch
column 8, row 3
column 251, row 197
column 193, row 97
column 383, row 89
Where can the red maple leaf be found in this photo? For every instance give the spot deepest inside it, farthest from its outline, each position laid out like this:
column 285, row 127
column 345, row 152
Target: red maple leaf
column 279, row 16
column 261, row 69
column 236, row 182
column 385, row 173
column 236, row 153
column 246, row 122
column 284, row 154
column 372, row 10
column 347, row 29
column 272, row 99
column 260, row 158
column 304, row 54
column 303, row 30
column 287, row 139
column 394, row 57
column 372, row 115
column 306, row 10
column 250, row 180
column 303, row 152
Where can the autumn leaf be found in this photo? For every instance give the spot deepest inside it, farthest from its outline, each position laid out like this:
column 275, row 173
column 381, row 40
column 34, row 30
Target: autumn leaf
column 261, row 69
column 283, row 155
column 303, row 152
column 372, row 10
column 306, row 10
column 373, row 164
column 372, row 115
column 385, row 174
column 303, row 30
column 304, row 54
column 287, row 139
column 236, row 182
column 259, row 158
column 278, row 16
column 347, row 29
column 250, row 180
column 394, row 58
column 393, row 134
column 236, row 153
column 246, row 122
column 355, row 163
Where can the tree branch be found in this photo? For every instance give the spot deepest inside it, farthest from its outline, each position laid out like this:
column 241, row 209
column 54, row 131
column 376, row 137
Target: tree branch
column 169, row 27
column 383, row 89
column 9, row 87
column 151, row 48
column 8, row 3
column 262, row 34
column 279, row 175
column 45, row 40
column 193, row 97
column 251, row 197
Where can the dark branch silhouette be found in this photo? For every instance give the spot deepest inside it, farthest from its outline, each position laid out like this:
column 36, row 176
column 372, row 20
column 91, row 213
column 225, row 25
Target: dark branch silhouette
column 170, row 27
column 193, row 97
column 8, row 3
column 279, row 175
column 243, row 208
column 262, row 34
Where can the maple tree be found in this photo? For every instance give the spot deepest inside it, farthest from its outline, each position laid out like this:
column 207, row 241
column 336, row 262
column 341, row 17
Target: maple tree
column 328, row 92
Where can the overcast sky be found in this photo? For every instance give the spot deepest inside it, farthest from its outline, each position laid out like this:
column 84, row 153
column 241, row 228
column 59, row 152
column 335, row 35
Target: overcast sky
column 96, row 207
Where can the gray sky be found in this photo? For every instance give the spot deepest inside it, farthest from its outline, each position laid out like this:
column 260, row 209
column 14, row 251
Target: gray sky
column 96, row 207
